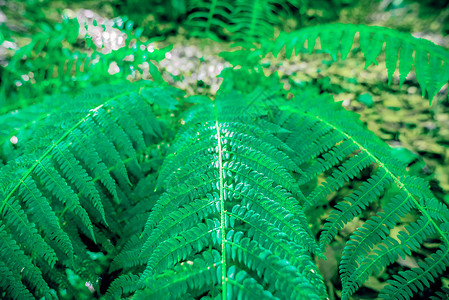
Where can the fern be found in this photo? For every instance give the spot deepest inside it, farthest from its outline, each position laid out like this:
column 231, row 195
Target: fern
column 402, row 51
column 67, row 66
column 66, row 187
column 237, row 20
column 207, row 16
column 236, row 192
column 254, row 223
column 100, row 186
column 371, row 247
column 222, row 193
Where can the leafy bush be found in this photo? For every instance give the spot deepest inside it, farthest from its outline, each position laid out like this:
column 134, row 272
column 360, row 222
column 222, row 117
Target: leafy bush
column 133, row 189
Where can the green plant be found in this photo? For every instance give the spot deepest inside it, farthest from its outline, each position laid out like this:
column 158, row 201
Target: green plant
column 402, row 51
column 227, row 19
column 133, row 189
column 59, row 59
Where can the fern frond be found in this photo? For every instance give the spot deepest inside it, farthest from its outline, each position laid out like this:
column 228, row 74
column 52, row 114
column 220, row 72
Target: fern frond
column 224, row 179
column 273, row 270
column 13, row 288
column 371, row 246
column 21, row 265
column 411, row 280
column 241, row 20
column 209, row 16
column 245, row 287
column 353, row 205
column 191, row 275
column 57, row 196
column 45, row 217
column 441, row 295
column 430, row 61
column 346, row 172
column 180, row 220
column 55, row 65
column 389, row 251
column 254, row 19
column 122, row 285
column 178, row 248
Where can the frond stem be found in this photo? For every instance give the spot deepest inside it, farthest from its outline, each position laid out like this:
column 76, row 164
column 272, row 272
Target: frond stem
column 222, row 210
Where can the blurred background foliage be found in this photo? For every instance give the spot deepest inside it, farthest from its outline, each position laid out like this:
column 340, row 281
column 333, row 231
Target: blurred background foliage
column 62, row 46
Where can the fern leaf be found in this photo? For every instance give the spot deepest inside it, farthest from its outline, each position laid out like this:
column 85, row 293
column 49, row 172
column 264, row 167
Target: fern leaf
column 274, row 213
column 61, row 190
column 389, row 251
column 244, row 287
column 176, row 249
column 27, row 234
column 276, row 241
column 235, row 177
column 180, row 220
column 409, row 281
column 21, row 264
column 56, row 197
column 344, row 173
column 353, row 205
column 122, row 285
column 391, row 56
column 370, row 247
column 71, row 168
column 443, row 295
column 405, row 62
column 45, row 217
column 92, row 160
column 253, row 19
column 210, row 14
column 429, row 60
column 190, row 275
column 272, row 269
column 14, row 289
column 129, row 256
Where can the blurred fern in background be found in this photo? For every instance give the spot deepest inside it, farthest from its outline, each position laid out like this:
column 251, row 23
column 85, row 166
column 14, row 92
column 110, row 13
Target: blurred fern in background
column 61, row 58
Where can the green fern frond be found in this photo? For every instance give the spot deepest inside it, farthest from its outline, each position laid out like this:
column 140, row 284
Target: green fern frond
column 409, row 281
column 430, row 62
column 236, row 181
column 441, row 295
column 13, row 288
column 122, row 285
column 371, row 247
column 353, row 205
column 190, row 275
column 208, row 16
column 254, row 19
column 68, row 187
column 21, row 266
column 66, row 67
column 242, row 20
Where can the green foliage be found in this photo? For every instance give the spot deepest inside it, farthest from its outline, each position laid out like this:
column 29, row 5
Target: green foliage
column 402, row 51
column 57, row 197
column 233, row 204
column 229, row 19
column 239, row 20
column 135, row 191
column 54, row 61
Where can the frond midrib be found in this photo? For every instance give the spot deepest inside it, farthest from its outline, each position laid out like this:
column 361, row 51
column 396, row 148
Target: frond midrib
column 222, row 209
